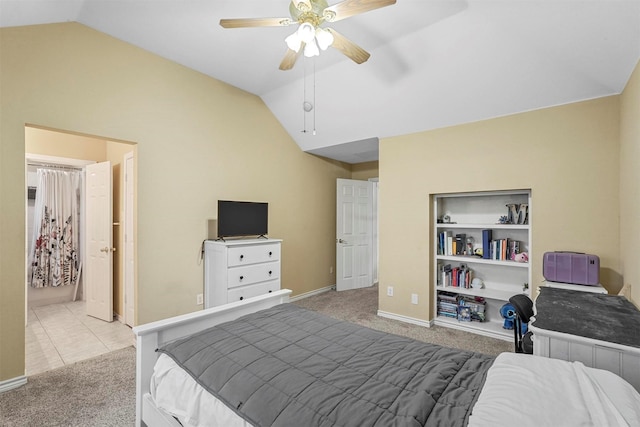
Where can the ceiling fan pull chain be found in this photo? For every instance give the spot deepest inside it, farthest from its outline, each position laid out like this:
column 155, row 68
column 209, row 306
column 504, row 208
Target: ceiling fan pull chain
column 314, row 95
column 304, row 97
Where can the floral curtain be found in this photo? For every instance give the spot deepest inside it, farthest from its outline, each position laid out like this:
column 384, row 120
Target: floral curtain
column 54, row 260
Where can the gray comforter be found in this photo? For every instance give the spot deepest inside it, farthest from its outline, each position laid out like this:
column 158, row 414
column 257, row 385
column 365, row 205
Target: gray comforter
column 287, row 366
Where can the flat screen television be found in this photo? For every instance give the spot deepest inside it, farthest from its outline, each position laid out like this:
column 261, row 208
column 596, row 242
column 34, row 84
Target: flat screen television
column 239, row 219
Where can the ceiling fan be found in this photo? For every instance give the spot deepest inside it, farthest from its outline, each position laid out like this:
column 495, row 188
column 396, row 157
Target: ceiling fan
column 310, row 35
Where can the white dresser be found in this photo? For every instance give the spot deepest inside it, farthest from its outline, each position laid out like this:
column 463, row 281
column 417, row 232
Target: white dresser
column 239, row 269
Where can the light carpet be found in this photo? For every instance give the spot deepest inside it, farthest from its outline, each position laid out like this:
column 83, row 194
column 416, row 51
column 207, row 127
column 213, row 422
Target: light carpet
column 95, row 392
column 361, row 306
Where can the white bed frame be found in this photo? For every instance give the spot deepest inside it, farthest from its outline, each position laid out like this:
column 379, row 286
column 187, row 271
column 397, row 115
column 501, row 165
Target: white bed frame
column 153, row 335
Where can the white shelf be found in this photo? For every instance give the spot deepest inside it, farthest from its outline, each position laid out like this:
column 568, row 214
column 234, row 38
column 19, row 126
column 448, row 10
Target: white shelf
column 476, row 260
column 471, row 213
column 489, row 329
column 483, row 226
column 487, row 293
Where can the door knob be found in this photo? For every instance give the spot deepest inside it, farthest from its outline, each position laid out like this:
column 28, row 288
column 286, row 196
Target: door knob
column 342, row 241
column 106, row 249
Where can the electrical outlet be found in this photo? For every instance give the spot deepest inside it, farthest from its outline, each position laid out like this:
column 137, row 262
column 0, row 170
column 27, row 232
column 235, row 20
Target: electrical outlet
column 389, row 291
column 414, row 298
column 199, row 299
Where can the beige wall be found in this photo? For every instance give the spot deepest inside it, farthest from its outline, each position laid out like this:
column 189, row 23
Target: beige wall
column 198, row 139
column 48, row 143
column 568, row 156
column 364, row 171
column 630, row 183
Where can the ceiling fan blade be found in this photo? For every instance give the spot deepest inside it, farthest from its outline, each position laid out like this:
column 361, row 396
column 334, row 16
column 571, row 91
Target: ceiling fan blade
column 290, row 59
column 302, row 5
column 348, row 8
column 349, row 48
column 255, row 22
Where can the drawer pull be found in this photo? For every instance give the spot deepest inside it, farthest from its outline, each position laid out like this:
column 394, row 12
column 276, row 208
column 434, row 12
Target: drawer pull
column 270, row 291
column 270, row 253
column 241, row 278
column 241, row 298
column 241, row 257
column 270, row 272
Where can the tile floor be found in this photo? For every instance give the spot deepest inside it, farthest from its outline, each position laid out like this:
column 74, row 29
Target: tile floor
column 60, row 334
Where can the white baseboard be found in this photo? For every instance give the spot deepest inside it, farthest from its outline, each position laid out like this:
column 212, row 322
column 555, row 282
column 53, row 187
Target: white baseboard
column 312, row 293
column 16, row 382
column 405, row 319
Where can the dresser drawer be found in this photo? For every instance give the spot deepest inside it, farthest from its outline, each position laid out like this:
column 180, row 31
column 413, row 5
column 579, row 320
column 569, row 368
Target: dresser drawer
column 250, row 274
column 243, row 255
column 245, row 292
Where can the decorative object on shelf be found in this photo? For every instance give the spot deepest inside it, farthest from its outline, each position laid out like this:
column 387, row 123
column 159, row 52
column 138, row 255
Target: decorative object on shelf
column 517, row 213
column 478, row 252
column 523, row 214
column 477, row 283
column 512, row 213
column 508, row 313
column 470, row 241
column 521, row 257
column 504, row 219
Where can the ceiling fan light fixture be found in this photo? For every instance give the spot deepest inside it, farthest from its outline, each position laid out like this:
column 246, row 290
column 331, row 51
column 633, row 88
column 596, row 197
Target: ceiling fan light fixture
column 293, row 42
column 324, row 38
column 306, row 32
column 311, row 49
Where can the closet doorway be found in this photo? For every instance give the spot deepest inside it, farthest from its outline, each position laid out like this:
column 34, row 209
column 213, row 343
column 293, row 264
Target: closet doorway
column 64, row 305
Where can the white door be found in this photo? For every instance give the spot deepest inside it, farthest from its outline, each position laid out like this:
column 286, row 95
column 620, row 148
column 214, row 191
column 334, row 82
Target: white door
column 99, row 242
column 354, row 240
column 128, row 247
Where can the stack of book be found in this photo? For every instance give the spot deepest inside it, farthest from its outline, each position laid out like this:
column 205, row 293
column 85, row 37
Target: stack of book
column 458, row 277
column 447, row 305
column 464, row 308
column 471, row 309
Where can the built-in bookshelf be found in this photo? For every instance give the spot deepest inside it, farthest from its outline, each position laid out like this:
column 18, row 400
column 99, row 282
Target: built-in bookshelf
column 482, row 236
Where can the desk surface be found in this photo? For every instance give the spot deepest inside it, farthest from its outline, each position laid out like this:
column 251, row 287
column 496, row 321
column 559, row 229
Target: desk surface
column 609, row 318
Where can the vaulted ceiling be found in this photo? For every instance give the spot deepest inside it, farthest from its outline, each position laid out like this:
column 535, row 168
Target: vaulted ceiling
column 434, row 63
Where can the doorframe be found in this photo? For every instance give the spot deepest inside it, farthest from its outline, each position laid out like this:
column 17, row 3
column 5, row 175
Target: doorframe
column 375, row 245
column 128, row 222
column 373, row 225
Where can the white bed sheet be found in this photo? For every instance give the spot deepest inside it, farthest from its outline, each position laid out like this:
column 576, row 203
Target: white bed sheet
column 527, row 390
column 177, row 393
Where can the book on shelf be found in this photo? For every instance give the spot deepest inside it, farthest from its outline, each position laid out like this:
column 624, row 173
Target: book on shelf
column 460, row 246
column 457, row 277
column 504, row 249
column 487, row 236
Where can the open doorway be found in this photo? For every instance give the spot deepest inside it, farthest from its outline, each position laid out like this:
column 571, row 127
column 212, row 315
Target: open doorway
column 56, row 312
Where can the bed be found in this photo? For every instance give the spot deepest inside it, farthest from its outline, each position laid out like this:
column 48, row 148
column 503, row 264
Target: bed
column 265, row 362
